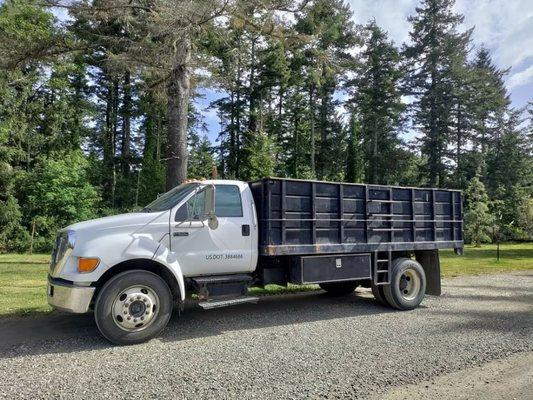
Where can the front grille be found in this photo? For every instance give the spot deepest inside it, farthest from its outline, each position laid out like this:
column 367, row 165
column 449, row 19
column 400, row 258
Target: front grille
column 53, row 260
column 59, row 253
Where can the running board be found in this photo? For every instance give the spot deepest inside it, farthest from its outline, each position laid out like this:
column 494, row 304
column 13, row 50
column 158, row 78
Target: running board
column 207, row 305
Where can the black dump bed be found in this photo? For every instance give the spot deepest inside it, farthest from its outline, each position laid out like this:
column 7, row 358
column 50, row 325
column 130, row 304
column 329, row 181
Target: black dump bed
column 313, row 217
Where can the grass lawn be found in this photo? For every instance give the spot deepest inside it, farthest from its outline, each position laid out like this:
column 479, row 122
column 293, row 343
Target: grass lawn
column 23, row 283
column 482, row 260
column 23, row 276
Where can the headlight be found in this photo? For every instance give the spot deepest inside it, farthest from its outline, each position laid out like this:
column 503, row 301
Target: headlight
column 71, row 239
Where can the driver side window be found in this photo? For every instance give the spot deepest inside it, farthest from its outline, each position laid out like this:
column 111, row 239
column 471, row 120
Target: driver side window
column 193, row 209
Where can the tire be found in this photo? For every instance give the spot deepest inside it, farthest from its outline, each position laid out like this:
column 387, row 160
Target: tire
column 408, row 284
column 377, row 291
column 339, row 288
column 133, row 307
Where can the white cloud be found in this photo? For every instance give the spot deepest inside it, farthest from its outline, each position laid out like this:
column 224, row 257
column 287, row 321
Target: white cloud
column 505, row 27
column 391, row 15
column 520, row 78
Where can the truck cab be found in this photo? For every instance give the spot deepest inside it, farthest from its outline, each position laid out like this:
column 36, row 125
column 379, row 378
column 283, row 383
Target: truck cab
column 176, row 237
column 230, row 247
column 216, row 238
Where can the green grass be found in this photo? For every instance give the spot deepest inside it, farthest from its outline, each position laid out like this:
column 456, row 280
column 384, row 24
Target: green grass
column 277, row 289
column 23, row 276
column 23, row 283
column 482, row 260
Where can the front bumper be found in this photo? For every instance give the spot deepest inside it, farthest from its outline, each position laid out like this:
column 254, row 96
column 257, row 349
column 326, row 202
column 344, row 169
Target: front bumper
column 69, row 297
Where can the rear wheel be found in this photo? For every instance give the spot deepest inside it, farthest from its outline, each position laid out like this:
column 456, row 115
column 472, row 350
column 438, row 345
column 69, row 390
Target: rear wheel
column 339, row 288
column 377, row 291
column 408, row 284
column 133, row 307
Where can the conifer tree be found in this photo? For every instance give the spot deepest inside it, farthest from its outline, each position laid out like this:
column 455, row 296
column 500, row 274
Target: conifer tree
column 354, row 162
column 490, row 99
column 201, row 160
column 435, row 40
column 478, row 219
column 329, row 26
column 509, row 169
column 377, row 97
column 259, row 153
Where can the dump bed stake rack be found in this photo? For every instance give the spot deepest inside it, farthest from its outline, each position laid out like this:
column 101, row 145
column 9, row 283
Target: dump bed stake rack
column 312, row 217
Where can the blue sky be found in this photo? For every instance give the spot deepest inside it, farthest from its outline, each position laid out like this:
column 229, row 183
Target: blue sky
column 505, row 27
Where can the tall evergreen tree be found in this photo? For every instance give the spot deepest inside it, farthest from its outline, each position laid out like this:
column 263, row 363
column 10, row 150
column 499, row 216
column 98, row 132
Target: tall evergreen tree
column 490, row 99
column 331, row 32
column 151, row 175
column 435, row 39
column 510, row 169
column 478, row 219
column 201, row 157
column 377, row 96
column 355, row 155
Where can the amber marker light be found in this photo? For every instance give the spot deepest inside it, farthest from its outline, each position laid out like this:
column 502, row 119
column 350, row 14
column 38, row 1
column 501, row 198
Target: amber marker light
column 86, row 265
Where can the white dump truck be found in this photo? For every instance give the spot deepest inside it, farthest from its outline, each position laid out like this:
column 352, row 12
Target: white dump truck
column 215, row 239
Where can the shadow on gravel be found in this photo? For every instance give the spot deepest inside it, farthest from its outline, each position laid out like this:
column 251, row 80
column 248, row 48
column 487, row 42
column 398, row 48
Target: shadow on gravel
column 494, row 288
column 487, row 321
column 520, row 297
column 66, row 333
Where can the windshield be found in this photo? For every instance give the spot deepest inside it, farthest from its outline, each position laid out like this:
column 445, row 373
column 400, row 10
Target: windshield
column 171, row 198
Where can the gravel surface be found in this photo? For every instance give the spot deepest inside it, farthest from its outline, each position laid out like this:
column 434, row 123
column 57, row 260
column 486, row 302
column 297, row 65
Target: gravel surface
column 502, row 379
column 295, row 346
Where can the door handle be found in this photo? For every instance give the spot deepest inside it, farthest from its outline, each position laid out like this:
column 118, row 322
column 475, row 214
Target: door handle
column 180, row 234
column 245, row 230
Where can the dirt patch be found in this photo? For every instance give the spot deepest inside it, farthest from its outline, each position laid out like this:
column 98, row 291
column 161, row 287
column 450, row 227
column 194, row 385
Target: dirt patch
column 508, row 378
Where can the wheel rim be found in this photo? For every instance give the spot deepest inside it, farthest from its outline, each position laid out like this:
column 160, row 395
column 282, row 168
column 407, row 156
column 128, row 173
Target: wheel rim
column 409, row 284
column 135, row 308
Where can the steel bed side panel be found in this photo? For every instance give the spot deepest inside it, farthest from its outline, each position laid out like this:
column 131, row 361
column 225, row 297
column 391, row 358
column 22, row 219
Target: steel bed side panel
column 313, row 217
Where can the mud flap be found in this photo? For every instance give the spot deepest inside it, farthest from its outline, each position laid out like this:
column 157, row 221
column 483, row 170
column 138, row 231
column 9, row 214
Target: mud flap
column 429, row 259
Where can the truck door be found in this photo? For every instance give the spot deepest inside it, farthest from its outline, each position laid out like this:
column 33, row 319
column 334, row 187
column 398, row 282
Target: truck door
column 203, row 251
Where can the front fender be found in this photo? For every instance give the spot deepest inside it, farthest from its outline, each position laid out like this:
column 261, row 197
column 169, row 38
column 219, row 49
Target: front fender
column 164, row 256
column 107, row 249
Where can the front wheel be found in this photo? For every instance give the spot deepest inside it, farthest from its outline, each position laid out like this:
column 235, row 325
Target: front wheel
column 133, row 307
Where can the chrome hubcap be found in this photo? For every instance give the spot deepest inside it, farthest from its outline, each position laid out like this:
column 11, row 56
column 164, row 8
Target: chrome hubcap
column 135, row 308
column 409, row 284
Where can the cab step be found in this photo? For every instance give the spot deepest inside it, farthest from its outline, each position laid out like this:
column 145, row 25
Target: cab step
column 207, row 305
column 219, row 287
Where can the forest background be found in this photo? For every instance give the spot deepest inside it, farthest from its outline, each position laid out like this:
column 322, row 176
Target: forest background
column 99, row 107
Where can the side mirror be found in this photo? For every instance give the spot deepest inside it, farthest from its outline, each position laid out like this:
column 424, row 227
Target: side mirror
column 212, row 220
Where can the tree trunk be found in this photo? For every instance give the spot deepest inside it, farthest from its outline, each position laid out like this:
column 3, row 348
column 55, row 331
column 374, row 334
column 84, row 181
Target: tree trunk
column 434, row 147
column 459, row 146
column 322, row 153
column 109, row 140
column 232, row 156
column 296, row 150
column 312, row 122
column 114, row 141
column 238, row 121
column 252, row 120
column 177, row 110
column 126, row 124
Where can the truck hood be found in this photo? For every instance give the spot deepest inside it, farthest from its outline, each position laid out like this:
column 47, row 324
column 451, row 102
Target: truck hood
column 130, row 222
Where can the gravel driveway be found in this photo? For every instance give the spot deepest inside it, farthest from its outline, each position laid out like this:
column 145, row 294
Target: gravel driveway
column 295, row 346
